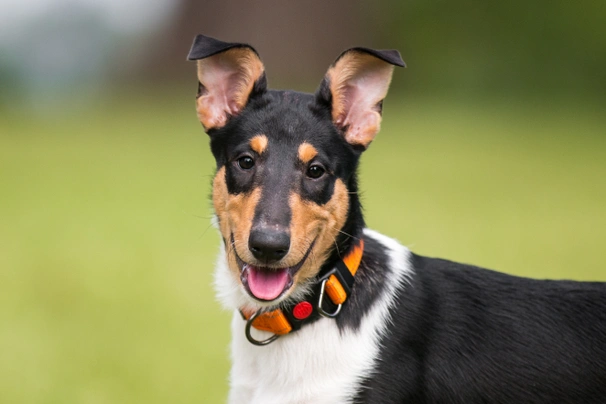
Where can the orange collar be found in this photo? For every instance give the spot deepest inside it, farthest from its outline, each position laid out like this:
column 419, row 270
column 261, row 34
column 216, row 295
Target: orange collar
column 336, row 283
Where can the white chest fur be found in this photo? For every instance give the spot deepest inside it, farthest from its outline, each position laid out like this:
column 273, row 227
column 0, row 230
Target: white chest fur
column 319, row 363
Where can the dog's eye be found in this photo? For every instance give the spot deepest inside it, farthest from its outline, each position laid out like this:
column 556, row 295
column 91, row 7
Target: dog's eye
column 246, row 162
column 315, row 171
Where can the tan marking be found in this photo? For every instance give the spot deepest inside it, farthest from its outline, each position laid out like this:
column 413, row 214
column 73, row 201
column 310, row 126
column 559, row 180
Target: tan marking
column 358, row 82
column 307, row 152
column 258, row 144
column 321, row 223
column 228, row 78
column 235, row 214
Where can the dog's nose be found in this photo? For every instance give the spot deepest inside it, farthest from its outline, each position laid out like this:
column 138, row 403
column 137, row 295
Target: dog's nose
column 268, row 245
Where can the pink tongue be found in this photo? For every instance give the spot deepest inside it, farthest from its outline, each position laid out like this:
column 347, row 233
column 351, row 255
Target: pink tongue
column 267, row 285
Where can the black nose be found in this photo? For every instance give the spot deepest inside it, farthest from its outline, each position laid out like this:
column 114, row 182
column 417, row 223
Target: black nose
column 268, row 245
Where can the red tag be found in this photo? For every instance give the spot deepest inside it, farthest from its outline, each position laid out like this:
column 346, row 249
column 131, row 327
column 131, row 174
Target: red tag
column 302, row 310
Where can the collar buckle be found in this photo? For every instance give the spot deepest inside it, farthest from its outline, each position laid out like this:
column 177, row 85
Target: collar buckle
column 249, row 336
column 319, row 307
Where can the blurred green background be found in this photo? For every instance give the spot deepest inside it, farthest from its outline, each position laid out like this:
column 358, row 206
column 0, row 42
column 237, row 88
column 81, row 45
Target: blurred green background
column 493, row 152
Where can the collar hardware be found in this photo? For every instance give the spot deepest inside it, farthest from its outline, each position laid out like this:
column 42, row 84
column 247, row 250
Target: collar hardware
column 339, row 282
column 319, row 306
column 336, row 283
column 251, row 339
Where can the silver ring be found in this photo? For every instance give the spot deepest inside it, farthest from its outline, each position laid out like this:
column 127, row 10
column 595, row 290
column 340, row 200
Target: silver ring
column 319, row 307
column 250, row 338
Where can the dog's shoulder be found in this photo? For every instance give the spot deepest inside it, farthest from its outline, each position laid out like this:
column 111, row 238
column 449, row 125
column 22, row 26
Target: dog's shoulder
column 463, row 334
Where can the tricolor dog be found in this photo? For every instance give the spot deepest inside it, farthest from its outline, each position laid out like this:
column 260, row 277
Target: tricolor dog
column 328, row 311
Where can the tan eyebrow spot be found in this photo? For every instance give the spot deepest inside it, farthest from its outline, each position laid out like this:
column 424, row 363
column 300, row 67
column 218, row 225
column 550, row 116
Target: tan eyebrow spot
column 259, row 143
column 307, row 152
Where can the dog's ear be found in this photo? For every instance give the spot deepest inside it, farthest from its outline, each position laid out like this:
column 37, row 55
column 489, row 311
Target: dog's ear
column 227, row 74
column 354, row 87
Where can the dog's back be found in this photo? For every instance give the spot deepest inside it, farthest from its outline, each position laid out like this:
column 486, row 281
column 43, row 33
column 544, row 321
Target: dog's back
column 470, row 335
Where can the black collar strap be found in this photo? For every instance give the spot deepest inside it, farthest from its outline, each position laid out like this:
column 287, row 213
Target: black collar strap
column 335, row 283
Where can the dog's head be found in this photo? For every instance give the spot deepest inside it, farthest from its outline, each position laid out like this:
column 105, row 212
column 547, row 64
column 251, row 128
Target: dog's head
column 285, row 192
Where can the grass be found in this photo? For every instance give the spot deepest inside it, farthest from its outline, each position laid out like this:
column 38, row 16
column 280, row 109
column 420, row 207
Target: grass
column 106, row 255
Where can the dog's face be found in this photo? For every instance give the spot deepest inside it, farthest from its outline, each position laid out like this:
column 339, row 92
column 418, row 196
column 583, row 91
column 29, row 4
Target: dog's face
column 279, row 193
column 285, row 161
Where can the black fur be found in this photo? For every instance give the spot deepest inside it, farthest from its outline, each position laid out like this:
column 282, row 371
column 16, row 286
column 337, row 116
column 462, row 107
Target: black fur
column 463, row 334
column 390, row 56
column 205, row 46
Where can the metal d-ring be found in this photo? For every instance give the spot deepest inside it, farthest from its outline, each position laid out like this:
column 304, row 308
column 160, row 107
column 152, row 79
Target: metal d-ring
column 319, row 306
column 250, row 338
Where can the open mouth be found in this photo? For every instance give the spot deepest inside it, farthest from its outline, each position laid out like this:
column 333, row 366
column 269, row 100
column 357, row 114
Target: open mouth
column 267, row 283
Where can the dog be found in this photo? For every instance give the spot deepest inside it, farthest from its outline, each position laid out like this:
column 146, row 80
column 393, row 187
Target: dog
column 328, row 311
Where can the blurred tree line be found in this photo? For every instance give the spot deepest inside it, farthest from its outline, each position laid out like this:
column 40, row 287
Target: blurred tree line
column 538, row 45
column 542, row 46
column 456, row 46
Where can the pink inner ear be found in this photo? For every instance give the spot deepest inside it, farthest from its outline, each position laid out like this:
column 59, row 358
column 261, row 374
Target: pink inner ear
column 228, row 79
column 359, row 82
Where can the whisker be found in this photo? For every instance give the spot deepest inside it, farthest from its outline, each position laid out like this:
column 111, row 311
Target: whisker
column 347, row 234
column 205, row 230
column 199, row 216
column 231, row 246
column 337, row 246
